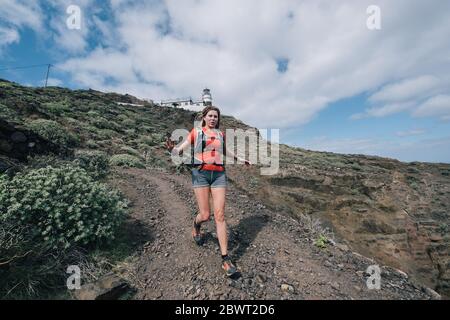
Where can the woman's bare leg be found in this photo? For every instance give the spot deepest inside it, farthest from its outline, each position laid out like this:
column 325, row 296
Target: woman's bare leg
column 202, row 195
column 218, row 195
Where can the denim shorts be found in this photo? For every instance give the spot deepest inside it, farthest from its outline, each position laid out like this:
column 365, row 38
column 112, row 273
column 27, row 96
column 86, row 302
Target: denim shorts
column 208, row 178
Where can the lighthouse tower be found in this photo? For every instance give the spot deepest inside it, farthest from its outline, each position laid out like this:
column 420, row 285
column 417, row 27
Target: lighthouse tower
column 206, row 97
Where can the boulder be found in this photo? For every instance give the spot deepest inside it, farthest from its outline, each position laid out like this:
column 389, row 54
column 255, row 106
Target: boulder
column 287, row 288
column 18, row 137
column 108, row 287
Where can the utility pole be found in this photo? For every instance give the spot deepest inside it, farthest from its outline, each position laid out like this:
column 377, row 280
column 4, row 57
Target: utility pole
column 48, row 71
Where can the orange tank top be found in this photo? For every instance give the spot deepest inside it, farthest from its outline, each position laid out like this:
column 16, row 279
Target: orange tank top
column 211, row 154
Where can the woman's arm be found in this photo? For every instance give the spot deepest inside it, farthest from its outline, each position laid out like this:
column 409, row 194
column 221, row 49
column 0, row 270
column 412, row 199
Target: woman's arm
column 235, row 157
column 170, row 145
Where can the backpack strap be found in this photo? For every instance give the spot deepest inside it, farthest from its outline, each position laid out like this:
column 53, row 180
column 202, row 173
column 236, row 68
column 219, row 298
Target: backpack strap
column 203, row 148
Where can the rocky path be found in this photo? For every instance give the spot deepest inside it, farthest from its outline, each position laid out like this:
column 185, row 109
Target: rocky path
column 275, row 255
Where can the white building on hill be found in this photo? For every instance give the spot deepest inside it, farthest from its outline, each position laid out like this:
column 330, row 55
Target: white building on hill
column 188, row 103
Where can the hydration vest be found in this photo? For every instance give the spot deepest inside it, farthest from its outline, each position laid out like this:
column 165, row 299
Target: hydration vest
column 197, row 151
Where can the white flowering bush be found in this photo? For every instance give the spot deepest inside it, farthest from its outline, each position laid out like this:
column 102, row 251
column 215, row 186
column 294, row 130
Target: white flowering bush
column 54, row 132
column 96, row 163
column 61, row 206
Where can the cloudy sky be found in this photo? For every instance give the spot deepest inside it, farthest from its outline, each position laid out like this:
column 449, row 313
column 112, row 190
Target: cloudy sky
column 311, row 68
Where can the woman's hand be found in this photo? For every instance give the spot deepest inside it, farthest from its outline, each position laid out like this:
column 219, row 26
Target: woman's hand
column 247, row 162
column 170, row 145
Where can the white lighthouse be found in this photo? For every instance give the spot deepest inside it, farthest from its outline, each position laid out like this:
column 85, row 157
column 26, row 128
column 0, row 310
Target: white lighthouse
column 206, row 97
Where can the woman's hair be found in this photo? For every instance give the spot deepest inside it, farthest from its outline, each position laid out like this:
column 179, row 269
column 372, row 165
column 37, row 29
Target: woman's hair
column 205, row 112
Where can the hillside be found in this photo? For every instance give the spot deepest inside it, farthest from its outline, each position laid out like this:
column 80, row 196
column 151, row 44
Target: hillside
column 393, row 213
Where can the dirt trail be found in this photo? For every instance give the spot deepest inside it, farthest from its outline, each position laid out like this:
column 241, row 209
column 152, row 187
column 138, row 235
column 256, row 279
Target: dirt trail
column 274, row 254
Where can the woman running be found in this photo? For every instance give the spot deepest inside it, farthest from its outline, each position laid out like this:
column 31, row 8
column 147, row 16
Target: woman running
column 209, row 177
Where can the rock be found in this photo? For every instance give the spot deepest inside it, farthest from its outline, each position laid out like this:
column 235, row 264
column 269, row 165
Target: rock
column 287, row 288
column 248, row 282
column 4, row 165
column 261, row 278
column 434, row 295
column 436, row 238
column 18, row 137
column 109, row 287
column 5, row 146
column 402, row 273
column 327, row 181
column 335, row 285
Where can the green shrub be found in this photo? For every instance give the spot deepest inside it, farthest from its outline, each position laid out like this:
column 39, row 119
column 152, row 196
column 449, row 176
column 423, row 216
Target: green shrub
column 42, row 161
column 413, row 170
column 5, row 84
column 61, row 207
column 103, row 123
column 8, row 113
column 131, row 151
column 91, row 144
column 93, row 114
column 126, row 160
column 96, row 163
column 154, row 139
column 53, row 131
column 144, row 147
column 130, row 132
column 128, row 123
column 79, row 105
column 57, row 108
column 321, row 242
column 254, row 182
column 146, row 129
column 106, row 134
column 122, row 117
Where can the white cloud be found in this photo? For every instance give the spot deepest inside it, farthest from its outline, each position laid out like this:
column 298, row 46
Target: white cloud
column 55, row 82
column 172, row 49
column 409, row 133
column 384, row 110
column 436, row 106
column 407, row 89
column 8, row 36
column 163, row 49
column 15, row 15
column 405, row 95
column 20, row 13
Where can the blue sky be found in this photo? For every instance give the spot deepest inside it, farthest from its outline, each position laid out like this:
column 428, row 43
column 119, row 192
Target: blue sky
column 313, row 69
